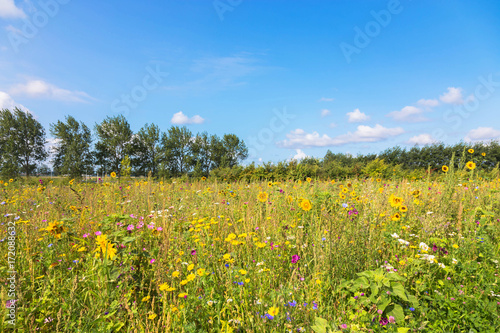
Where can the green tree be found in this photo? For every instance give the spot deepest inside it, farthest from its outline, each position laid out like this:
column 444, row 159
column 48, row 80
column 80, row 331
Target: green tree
column 114, row 142
column 22, row 143
column 201, row 155
column 176, row 150
column 234, row 150
column 73, row 154
column 147, row 149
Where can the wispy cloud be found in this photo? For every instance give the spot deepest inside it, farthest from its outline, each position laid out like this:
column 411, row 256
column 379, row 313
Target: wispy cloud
column 325, row 112
column 42, row 89
column 357, row 116
column 218, row 73
column 8, row 9
column 422, row 139
column 326, row 99
column 180, row 118
column 408, row 114
column 7, row 102
column 300, row 139
column 429, row 103
column 482, row 134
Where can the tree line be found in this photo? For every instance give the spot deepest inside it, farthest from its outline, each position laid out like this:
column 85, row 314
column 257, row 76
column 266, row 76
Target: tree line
column 116, row 149
column 178, row 152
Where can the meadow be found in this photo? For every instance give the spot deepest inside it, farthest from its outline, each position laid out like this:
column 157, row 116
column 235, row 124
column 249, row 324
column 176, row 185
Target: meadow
column 351, row 255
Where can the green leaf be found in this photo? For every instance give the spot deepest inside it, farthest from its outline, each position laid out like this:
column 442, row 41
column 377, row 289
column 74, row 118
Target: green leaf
column 396, row 311
column 384, row 301
column 413, row 300
column 403, row 329
column 399, row 290
column 320, row 325
column 374, row 288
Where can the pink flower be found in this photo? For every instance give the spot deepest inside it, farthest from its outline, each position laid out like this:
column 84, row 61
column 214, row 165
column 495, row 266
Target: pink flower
column 130, row 227
column 152, row 261
column 295, row 259
column 343, row 326
column 98, row 233
column 85, row 235
column 392, row 320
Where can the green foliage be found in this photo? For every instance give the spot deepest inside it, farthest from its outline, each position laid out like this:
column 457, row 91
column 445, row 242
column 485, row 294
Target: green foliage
column 72, row 148
column 22, row 143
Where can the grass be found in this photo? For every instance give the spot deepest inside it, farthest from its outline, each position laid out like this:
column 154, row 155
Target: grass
column 207, row 256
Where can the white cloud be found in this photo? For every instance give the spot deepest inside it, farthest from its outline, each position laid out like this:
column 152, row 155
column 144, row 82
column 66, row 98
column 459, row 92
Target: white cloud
column 326, row 99
column 422, row 139
column 300, row 155
column 408, row 113
column 299, row 138
column 325, row 112
column 482, row 133
column 180, row 118
column 42, row 89
column 357, row 116
column 8, row 9
column 452, row 96
column 428, row 103
column 332, row 125
column 7, row 102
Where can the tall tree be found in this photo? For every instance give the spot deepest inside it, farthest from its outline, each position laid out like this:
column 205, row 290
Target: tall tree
column 176, row 149
column 235, row 150
column 201, row 155
column 147, row 149
column 114, row 142
column 22, row 142
column 73, row 155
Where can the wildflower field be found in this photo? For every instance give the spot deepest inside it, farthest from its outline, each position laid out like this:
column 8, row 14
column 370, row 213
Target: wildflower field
column 359, row 255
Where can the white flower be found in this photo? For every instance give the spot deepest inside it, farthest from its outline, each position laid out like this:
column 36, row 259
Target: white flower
column 260, row 263
column 210, row 302
column 441, row 265
column 403, row 242
column 229, row 300
column 423, row 246
column 428, row 213
column 454, row 261
column 395, row 235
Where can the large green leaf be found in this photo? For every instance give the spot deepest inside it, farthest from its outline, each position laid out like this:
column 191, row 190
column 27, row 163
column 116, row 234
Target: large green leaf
column 398, row 289
column 397, row 312
column 320, row 325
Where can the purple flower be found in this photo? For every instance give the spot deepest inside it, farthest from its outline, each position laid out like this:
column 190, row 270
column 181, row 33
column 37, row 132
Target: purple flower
column 292, row 303
column 193, row 252
column 295, row 259
column 383, row 321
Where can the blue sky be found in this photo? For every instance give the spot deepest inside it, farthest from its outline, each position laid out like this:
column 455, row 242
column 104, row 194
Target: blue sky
column 291, row 78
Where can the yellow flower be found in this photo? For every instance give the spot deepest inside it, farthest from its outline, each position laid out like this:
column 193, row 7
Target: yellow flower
column 71, row 181
column 260, row 244
column 269, row 184
column 470, row 165
column 110, row 250
column 175, row 274
column 455, row 246
column 263, row 196
column 395, row 201
column 227, row 256
column 203, row 178
column 273, row 311
column 403, row 209
column 318, row 281
column 332, row 181
column 471, row 151
column 483, row 154
column 113, row 174
column 183, row 295
column 247, row 280
column 190, row 267
column 11, row 180
column 306, row 205
column 308, row 179
column 242, row 272
column 396, row 217
column 190, row 277
column 152, row 316
column 201, row 271
column 145, row 299
column 445, row 168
